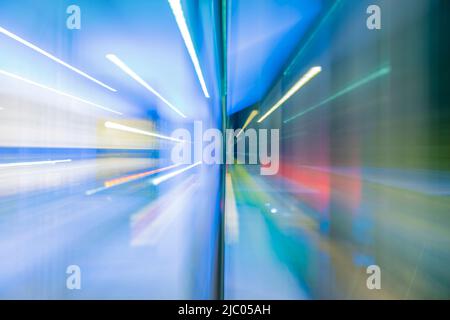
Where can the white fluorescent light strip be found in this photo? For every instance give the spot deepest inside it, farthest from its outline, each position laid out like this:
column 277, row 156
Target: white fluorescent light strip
column 177, row 10
column 168, row 176
column 114, row 59
column 304, row 80
column 117, row 126
column 52, row 57
column 32, row 163
column 14, row 76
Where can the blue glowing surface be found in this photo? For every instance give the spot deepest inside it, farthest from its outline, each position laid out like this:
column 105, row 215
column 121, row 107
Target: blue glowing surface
column 262, row 35
column 144, row 34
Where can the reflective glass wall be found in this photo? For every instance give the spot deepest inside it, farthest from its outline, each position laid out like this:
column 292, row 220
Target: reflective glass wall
column 363, row 181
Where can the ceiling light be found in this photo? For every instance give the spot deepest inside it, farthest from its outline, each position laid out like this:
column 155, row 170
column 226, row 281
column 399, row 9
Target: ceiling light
column 177, row 10
column 52, row 57
column 121, row 127
column 129, row 178
column 300, row 83
column 114, row 59
column 250, row 118
column 32, row 163
column 14, row 76
column 168, row 176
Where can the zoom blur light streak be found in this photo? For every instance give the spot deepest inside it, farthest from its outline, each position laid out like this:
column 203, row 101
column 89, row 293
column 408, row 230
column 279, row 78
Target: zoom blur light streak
column 168, row 176
column 52, row 57
column 14, row 76
column 117, row 126
column 122, row 180
column 33, row 163
column 177, row 10
column 300, row 83
column 357, row 84
column 114, row 59
column 129, row 178
column 250, row 118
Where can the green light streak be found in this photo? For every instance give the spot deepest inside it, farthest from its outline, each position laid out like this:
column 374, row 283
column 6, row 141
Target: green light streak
column 312, row 36
column 377, row 74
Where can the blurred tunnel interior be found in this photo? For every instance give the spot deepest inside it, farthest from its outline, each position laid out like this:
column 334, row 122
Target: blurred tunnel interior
column 357, row 92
